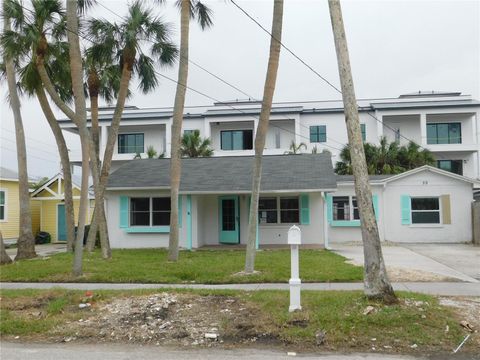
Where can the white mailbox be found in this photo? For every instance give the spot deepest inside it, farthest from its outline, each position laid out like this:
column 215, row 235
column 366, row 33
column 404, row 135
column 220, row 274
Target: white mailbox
column 294, row 235
column 294, row 240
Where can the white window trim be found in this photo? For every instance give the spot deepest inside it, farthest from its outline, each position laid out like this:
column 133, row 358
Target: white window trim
column 426, row 225
column 279, row 221
column 350, row 207
column 5, row 206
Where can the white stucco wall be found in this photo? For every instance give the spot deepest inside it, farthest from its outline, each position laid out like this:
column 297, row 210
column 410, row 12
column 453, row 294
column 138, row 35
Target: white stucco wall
column 429, row 184
column 154, row 135
column 390, row 226
column 123, row 240
column 340, row 234
column 409, row 126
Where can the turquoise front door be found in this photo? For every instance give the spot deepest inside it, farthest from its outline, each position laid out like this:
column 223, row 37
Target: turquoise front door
column 61, row 223
column 229, row 220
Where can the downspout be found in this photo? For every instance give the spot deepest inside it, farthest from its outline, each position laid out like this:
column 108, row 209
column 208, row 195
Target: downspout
column 325, row 221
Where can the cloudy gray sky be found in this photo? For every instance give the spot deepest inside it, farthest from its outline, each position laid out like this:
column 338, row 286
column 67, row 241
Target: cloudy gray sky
column 395, row 47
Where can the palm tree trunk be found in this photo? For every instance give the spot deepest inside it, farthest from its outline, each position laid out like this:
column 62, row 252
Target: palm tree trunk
column 65, row 160
column 26, row 241
column 376, row 283
column 4, row 258
column 81, row 114
column 268, row 91
column 176, row 157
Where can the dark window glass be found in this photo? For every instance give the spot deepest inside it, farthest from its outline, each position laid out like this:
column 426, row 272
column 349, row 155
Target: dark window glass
column 130, row 143
column 289, row 210
column 454, row 166
column 236, row 140
column 140, row 211
column 341, row 208
column 318, row 134
column 228, row 215
column 444, row 133
column 363, row 127
column 161, row 211
column 2, row 205
column 188, row 132
column 425, row 210
column 267, row 211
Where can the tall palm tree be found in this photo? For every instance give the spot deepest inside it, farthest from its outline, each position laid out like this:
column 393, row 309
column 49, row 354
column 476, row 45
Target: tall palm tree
column 124, row 43
column 26, row 241
column 376, row 283
column 262, row 128
column 196, row 10
column 194, row 146
column 4, row 258
column 22, row 43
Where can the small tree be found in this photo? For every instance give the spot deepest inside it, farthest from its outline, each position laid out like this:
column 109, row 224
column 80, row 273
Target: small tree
column 194, row 146
column 296, row 149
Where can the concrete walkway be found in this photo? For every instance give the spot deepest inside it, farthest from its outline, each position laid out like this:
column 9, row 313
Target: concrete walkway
column 432, row 288
column 42, row 250
column 455, row 261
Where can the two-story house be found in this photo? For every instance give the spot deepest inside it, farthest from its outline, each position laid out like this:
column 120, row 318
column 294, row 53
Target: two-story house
column 446, row 123
column 421, row 205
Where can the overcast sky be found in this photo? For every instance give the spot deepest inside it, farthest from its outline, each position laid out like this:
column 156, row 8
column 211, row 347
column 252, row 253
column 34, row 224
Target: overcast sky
column 395, row 47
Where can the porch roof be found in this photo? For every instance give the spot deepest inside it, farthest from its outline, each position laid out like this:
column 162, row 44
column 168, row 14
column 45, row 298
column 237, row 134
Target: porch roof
column 280, row 173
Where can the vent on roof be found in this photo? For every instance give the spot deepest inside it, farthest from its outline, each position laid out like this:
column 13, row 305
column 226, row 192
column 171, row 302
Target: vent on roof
column 431, row 93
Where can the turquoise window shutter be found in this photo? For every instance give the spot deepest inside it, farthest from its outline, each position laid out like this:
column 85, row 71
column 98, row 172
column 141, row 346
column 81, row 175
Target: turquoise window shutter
column 180, row 212
column 406, row 209
column 124, row 211
column 304, row 209
column 329, row 200
column 375, row 206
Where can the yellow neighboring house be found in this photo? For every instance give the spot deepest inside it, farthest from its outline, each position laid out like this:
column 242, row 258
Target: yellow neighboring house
column 10, row 206
column 50, row 197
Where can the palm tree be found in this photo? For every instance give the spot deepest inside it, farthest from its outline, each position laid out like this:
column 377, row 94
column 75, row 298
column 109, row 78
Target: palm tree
column 196, row 10
column 194, row 146
column 4, row 258
column 376, row 283
column 26, row 241
column 126, row 42
column 22, row 44
column 386, row 158
column 262, row 128
column 296, row 149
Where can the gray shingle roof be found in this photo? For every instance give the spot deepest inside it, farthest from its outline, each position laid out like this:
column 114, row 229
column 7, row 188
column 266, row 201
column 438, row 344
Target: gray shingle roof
column 230, row 173
column 8, row 174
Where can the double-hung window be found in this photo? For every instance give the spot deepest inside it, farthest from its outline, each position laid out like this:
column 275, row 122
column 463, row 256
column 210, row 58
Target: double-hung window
column 150, row 211
column 363, row 127
column 318, row 133
column 236, row 139
column 345, row 208
column 130, row 143
column 3, row 200
column 444, row 133
column 425, row 210
column 275, row 210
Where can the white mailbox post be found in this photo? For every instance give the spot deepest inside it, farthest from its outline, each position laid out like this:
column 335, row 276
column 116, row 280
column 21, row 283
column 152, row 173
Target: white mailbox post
column 294, row 240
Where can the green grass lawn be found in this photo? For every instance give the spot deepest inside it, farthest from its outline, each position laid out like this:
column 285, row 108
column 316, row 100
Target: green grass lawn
column 208, row 267
column 416, row 319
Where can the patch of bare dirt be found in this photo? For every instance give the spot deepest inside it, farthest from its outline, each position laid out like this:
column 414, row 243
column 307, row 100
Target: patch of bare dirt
column 403, row 274
column 172, row 319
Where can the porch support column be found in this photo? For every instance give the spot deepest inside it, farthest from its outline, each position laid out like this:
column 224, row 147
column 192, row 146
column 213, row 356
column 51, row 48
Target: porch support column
column 189, row 222
column 103, row 140
column 423, row 128
column 207, row 129
column 298, row 139
column 379, row 125
column 168, row 139
column 325, row 221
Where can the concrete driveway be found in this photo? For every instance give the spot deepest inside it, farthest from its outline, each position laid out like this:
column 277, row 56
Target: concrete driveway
column 422, row 262
column 42, row 250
